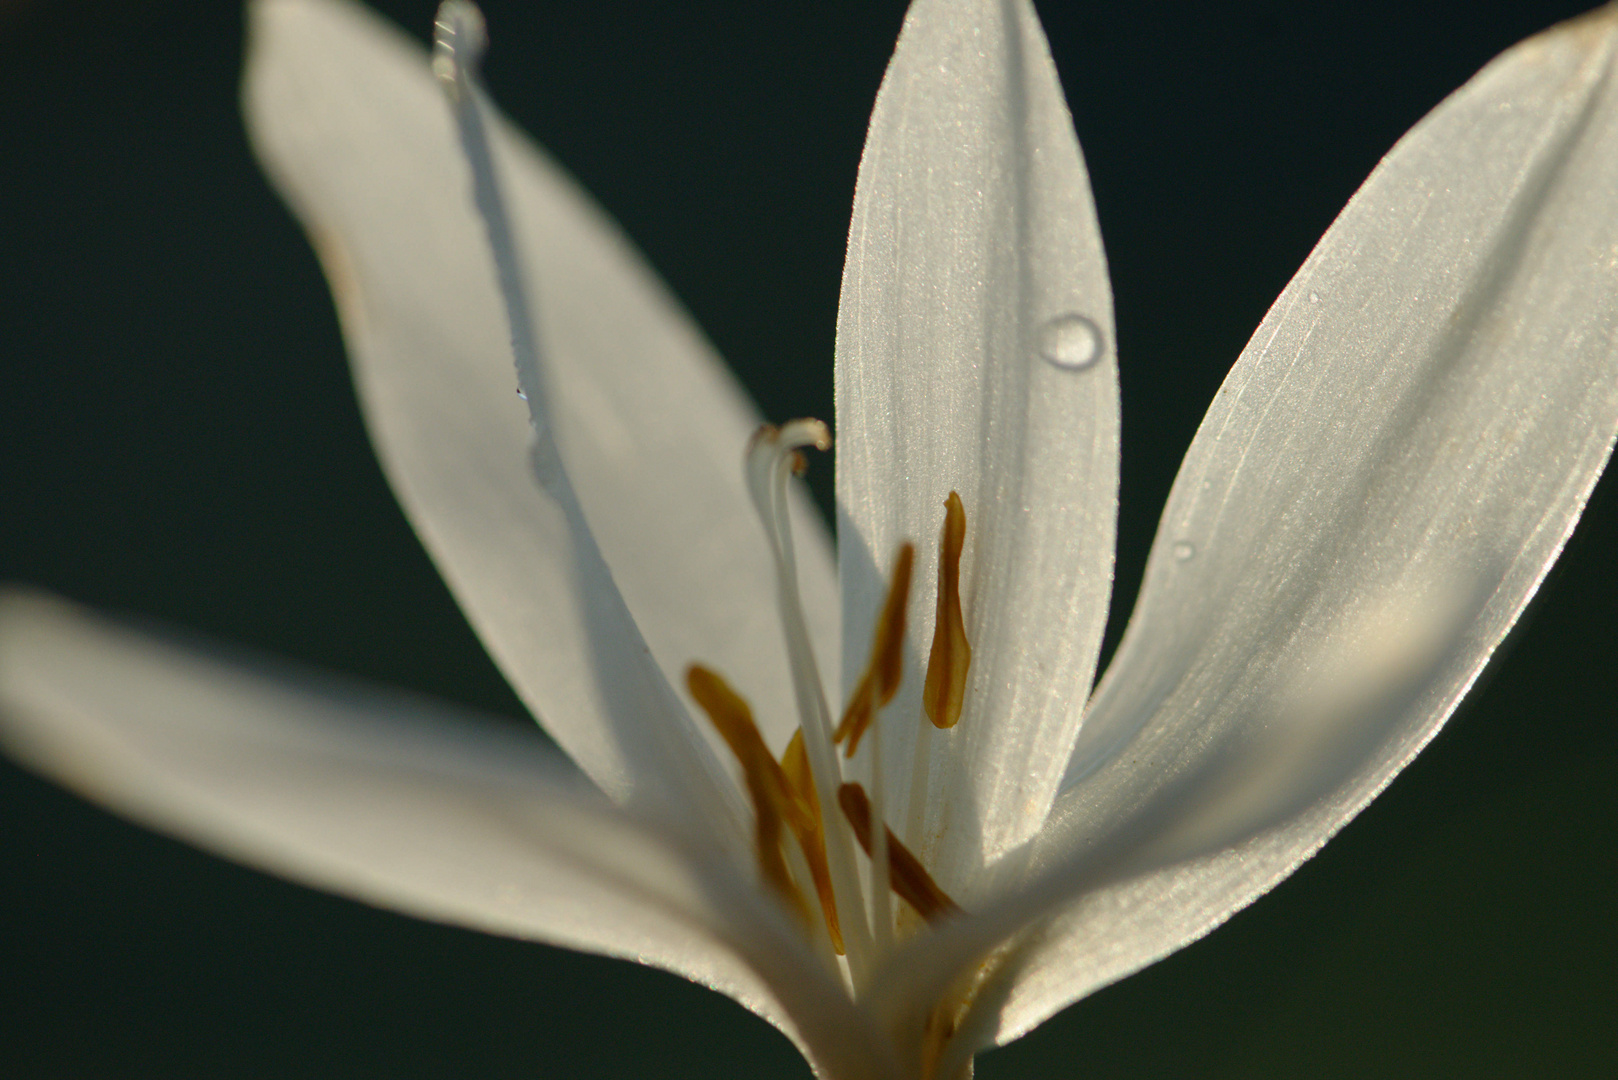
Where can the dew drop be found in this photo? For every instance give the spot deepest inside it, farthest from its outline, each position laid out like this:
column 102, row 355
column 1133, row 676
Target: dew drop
column 1314, row 298
column 1184, row 551
column 1071, row 342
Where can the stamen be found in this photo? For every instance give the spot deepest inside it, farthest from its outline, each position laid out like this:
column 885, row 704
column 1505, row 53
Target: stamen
column 945, row 688
column 734, row 721
column 807, row 826
column 772, row 863
column 877, row 685
column 776, row 794
column 910, row 879
column 881, row 880
column 795, row 766
column 882, row 672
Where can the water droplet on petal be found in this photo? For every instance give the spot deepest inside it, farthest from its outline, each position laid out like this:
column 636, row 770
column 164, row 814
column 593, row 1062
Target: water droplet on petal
column 1184, row 551
column 1314, row 298
column 1071, row 342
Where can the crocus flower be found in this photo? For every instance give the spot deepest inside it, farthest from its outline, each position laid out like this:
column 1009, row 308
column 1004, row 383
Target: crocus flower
column 1378, row 489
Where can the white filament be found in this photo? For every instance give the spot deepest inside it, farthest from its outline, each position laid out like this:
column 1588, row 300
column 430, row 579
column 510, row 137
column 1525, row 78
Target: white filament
column 881, row 878
column 769, row 466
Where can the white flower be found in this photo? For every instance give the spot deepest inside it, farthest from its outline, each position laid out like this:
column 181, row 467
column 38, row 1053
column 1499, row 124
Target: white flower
column 1375, row 494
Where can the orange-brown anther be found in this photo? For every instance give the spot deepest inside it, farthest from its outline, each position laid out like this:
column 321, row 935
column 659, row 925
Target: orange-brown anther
column 806, row 824
column 766, row 788
column 776, row 795
column 772, row 862
column 945, row 688
column 907, row 876
column 882, row 672
column 795, row 765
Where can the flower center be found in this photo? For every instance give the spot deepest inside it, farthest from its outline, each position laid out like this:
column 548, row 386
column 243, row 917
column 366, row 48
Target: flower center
column 808, row 814
column 800, row 849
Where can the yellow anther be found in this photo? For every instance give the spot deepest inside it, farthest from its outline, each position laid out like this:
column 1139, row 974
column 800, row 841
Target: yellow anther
column 765, row 786
column 808, row 827
column 945, row 688
column 882, row 672
column 795, row 767
column 908, row 878
column 777, row 793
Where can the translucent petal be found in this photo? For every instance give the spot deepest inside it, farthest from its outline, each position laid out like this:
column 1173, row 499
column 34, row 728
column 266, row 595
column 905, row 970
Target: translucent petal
column 1423, row 413
column 350, row 122
column 1333, row 710
column 389, row 800
column 974, row 353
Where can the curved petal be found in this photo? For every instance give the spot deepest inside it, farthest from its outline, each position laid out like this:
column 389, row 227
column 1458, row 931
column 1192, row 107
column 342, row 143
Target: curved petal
column 351, row 124
column 1334, row 711
column 974, row 353
column 1423, row 412
column 385, row 799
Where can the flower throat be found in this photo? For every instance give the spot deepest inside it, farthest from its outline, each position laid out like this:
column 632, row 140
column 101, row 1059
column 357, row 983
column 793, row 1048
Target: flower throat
column 801, row 850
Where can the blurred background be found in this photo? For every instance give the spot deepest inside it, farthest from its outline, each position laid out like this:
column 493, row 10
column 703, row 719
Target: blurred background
column 179, row 439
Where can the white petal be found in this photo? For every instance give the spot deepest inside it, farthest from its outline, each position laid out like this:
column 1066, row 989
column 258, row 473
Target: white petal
column 974, row 248
column 1429, row 401
column 448, row 817
column 353, row 127
column 1336, row 709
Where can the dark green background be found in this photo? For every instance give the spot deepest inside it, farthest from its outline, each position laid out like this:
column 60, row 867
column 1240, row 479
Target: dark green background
column 178, row 438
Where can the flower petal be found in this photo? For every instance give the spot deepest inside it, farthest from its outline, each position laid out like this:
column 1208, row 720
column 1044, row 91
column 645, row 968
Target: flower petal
column 352, row 125
column 1424, row 411
column 397, row 803
column 1336, row 708
column 975, row 354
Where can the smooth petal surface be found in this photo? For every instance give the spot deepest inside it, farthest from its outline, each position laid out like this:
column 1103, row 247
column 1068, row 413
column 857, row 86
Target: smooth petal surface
column 974, row 353
column 449, row 817
column 1422, row 414
column 1334, row 711
column 349, row 120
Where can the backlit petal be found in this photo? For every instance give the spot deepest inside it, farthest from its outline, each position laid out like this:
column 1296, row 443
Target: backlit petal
column 405, row 805
column 354, row 128
column 1422, row 414
column 972, row 257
